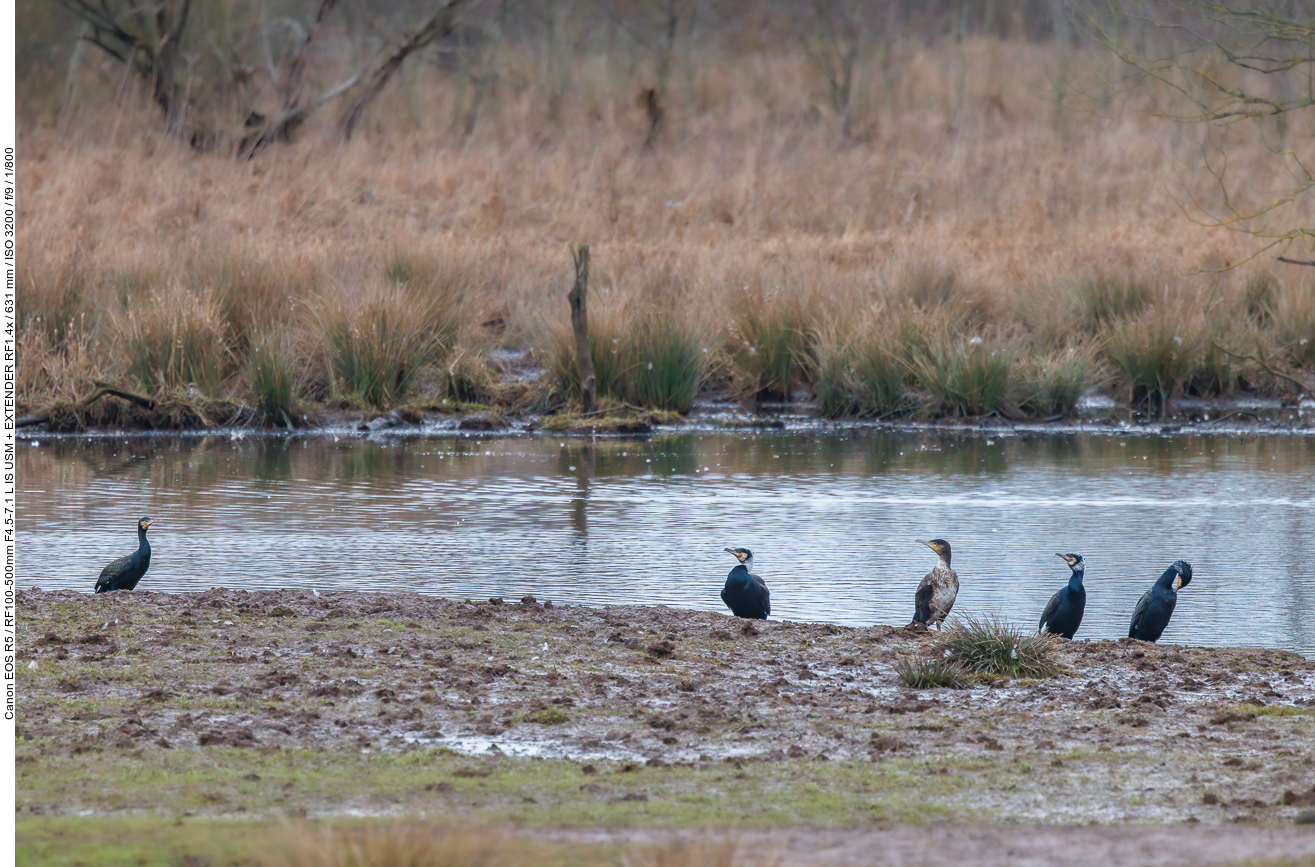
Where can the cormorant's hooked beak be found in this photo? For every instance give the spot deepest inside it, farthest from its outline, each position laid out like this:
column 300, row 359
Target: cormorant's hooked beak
column 739, row 555
column 925, row 542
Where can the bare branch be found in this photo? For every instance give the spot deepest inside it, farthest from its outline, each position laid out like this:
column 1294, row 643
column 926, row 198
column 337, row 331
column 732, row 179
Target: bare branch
column 437, row 26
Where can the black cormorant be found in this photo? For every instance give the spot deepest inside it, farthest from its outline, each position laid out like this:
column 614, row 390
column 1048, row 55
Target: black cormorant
column 125, row 572
column 935, row 596
column 1156, row 605
column 1063, row 613
column 745, row 594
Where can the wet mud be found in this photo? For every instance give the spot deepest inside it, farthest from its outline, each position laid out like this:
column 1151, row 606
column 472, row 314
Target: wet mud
column 539, row 713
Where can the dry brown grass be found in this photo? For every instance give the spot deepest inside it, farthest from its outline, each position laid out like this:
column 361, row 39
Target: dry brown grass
column 960, row 194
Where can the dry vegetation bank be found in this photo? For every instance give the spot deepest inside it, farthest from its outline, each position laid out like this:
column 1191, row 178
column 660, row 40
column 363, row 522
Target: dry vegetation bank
column 956, row 246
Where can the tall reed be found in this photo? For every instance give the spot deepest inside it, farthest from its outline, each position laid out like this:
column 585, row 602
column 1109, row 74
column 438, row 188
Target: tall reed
column 768, row 343
column 1051, row 385
column 378, row 338
column 1155, row 354
column 653, row 361
column 271, row 370
column 176, row 337
column 962, row 375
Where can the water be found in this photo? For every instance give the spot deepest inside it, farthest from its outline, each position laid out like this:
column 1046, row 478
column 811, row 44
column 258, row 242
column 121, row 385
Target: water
column 831, row 518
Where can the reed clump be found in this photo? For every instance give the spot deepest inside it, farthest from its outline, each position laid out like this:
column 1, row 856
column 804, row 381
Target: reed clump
column 962, row 376
column 177, row 338
column 768, row 343
column 255, row 295
column 1292, row 337
column 932, row 673
column 653, row 362
column 271, row 370
column 378, row 340
column 859, row 375
column 1051, row 385
column 991, row 646
column 1106, row 300
column 466, row 376
column 1155, row 355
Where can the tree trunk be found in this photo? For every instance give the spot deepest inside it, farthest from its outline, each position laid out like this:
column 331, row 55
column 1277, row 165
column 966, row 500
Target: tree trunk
column 579, row 299
column 170, row 21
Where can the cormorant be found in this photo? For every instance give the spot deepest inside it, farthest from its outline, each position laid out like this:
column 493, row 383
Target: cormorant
column 935, row 596
column 1156, row 605
column 1063, row 613
column 125, row 572
column 745, row 594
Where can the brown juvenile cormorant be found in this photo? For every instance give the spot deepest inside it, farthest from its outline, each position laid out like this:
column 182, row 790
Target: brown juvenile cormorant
column 1156, row 605
column 1063, row 613
column 125, row 572
column 935, row 596
column 745, row 594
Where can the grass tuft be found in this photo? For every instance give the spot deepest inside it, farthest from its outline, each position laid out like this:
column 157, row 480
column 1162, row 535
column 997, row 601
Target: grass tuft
column 271, row 370
column 1106, row 301
column 176, row 338
column 768, row 346
column 1294, row 325
column 1259, row 296
column 379, row 339
column 859, row 376
column 548, row 716
column 667, row 367
column 932, row 673
column 653, row 361
column 1052, row 385
column 991, row 646
column 963, row 378
column 1154, row 355
column 467, row 377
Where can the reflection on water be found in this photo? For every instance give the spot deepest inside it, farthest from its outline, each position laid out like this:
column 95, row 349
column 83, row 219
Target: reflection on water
column 831, row 519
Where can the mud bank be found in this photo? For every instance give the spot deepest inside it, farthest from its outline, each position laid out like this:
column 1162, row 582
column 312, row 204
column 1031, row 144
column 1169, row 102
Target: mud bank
column 1097, row 413
column 289, row 703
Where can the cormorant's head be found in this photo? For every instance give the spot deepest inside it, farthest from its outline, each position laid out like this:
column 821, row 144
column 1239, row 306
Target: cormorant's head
column 744, row 555
column 1184, row 570
column 144, row 523
column 1074, row 561
column 940, row 546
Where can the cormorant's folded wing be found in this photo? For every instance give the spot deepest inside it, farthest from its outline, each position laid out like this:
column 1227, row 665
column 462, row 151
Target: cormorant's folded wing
column 922, row 601
column 1139, row 612
column 112, row 571
column 1051, row 607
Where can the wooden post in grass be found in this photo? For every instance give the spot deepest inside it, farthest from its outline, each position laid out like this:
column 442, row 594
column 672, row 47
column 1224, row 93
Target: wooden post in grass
column 579, row 299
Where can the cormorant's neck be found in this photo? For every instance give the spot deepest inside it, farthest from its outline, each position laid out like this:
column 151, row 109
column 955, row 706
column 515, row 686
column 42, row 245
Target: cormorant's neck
column 742, row 570
column 141, row 540
column 1075, row 580
column 1166, row 580
column 945, row 558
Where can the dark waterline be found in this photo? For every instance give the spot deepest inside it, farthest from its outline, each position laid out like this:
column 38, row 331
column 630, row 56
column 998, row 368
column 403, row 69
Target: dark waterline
column 831, row 518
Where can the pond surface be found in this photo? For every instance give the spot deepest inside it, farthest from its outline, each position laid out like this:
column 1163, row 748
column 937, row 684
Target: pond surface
column 831, row 518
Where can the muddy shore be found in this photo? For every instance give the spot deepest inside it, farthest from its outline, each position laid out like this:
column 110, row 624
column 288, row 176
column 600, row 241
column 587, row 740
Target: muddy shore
column 230, row 703
column 1097, row 414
